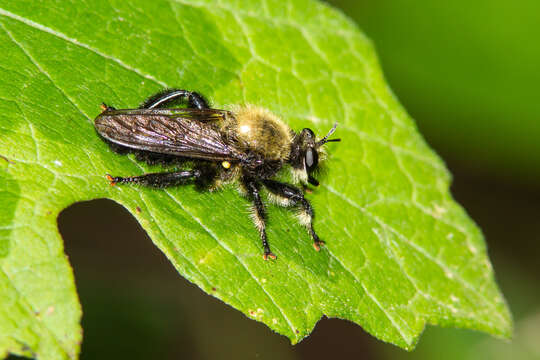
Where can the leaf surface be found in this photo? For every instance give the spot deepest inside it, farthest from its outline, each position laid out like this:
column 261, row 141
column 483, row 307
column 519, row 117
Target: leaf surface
column 400, row 252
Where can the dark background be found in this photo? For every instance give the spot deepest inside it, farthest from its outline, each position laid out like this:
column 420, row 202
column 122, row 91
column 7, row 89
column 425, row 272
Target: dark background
column 469, row 75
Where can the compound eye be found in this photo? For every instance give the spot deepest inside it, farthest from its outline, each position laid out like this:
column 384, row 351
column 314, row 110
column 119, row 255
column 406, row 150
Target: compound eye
column 308, row 133
column 312, row 158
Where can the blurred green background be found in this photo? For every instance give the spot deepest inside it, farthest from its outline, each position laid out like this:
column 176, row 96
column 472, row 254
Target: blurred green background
column 468, row 73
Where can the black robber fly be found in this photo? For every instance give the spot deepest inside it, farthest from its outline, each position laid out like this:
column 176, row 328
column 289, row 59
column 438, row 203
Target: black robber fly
column 247, row 145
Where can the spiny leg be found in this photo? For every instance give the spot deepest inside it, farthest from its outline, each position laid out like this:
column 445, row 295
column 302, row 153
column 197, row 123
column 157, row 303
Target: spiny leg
column 290, row 196
column 163, row 98
column 259, row 216
column 159, row 180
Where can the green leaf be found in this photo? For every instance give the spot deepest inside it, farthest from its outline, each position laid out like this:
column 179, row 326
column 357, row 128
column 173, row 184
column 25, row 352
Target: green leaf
column 400, row 252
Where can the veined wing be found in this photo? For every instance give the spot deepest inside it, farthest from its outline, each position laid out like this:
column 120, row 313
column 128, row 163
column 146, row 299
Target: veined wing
column 182, row 132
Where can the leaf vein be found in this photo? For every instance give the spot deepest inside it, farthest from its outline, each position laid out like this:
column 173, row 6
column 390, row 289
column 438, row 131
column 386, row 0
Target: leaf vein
column 211, row 233
column 76, row 42
column 418, row 248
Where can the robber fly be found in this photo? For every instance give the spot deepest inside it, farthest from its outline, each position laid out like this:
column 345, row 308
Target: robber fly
column 248, row 145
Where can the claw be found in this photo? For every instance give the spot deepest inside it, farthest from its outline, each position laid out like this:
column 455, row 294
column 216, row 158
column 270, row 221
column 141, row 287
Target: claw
column 105, row 107
column 317, row 245
column 111, row 179
column 269, row 255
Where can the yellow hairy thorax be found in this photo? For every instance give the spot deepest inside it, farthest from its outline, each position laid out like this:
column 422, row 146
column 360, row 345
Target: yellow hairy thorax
column 263, row 132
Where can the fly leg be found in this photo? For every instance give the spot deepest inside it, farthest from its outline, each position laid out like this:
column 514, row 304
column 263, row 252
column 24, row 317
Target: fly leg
column 259, row 216
column 167, row 96
column 157, row 180
column 104, row 107
column 288, row 195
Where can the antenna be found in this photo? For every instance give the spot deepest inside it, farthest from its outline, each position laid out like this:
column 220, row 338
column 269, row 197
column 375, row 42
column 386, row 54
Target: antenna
column 325, row 139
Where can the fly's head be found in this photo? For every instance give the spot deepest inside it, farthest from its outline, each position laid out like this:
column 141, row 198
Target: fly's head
column 306, row 151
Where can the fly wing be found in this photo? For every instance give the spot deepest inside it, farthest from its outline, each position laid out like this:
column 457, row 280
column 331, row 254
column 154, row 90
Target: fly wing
column 182, row 132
